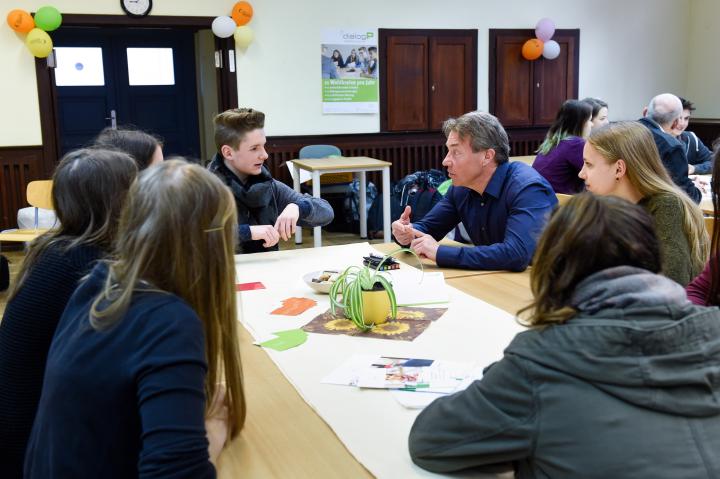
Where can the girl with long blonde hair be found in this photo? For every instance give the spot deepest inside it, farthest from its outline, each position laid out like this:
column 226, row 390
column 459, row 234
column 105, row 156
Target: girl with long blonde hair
column 144, row 342
column 621, row 159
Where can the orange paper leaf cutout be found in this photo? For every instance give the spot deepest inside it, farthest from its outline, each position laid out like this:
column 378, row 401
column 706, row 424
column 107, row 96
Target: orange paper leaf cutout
column 294, row 306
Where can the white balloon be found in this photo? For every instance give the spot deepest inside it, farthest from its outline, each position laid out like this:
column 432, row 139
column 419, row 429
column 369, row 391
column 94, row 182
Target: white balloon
column 223, row 27
column 551, row 50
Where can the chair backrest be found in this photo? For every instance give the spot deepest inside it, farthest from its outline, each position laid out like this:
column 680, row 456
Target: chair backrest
column 563, row 198
column 39, row 194
column 709, row 225
column 318, row 151
column 527, row 159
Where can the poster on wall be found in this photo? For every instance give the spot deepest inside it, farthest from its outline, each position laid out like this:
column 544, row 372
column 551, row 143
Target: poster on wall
column 350, row 68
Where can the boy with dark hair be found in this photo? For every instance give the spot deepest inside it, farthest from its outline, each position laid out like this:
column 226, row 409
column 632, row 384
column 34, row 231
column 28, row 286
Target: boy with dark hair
column 267, row 209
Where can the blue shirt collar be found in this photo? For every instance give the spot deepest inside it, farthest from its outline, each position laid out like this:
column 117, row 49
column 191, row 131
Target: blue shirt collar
column 494, row 187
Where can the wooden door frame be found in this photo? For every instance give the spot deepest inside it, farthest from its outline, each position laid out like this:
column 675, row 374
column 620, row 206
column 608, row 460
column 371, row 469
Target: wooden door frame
column 492, row 58
column 384, row 33
column 47, row 93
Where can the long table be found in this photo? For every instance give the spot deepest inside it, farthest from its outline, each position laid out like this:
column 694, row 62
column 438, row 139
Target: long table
column 284, row 436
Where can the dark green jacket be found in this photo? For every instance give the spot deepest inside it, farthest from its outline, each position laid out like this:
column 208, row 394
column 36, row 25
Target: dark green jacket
column 629, row 388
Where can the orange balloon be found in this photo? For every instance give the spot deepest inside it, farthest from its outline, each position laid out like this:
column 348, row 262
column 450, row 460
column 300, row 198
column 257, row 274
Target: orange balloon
column 20, row 21
column 532, row 49
column 242, row 13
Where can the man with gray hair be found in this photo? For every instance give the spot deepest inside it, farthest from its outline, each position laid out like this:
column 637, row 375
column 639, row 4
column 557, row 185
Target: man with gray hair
column 659, row 117
column 502, row 205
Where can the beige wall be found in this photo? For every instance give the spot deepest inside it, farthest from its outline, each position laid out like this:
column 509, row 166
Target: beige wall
column 703, row 58
column 629, row 50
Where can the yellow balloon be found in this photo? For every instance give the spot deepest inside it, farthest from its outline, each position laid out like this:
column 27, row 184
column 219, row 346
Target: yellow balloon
column 39, row 43
column 244, row 36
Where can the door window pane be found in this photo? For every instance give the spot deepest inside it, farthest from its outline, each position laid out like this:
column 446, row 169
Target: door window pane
column 79, row 66
column 150, row 66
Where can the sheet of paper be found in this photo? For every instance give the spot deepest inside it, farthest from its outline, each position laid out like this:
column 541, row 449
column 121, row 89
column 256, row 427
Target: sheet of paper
column 409, row 374
column 414, row 288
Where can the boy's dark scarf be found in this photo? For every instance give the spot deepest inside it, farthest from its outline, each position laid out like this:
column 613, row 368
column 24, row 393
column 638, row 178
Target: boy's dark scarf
column 255, row 199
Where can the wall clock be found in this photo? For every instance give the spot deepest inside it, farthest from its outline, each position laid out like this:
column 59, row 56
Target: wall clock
column 136, row 8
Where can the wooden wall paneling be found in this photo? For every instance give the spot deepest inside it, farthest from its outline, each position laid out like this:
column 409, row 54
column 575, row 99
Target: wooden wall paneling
column 18, row 166
column 706, row 129
column 408, row 152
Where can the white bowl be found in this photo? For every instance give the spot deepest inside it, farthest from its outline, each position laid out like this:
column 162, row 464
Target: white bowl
column 322, row 287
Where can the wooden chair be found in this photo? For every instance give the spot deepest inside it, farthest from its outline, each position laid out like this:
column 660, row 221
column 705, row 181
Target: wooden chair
column 527, row 159
column 563, row 198
column 709, row 225
column 39, row 195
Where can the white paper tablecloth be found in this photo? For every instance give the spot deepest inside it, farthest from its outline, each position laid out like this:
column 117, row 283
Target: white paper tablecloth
column 372, row 425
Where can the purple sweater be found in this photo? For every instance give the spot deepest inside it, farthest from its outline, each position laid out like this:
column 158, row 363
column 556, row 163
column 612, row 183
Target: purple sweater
column 562, row 164
column 699, row 288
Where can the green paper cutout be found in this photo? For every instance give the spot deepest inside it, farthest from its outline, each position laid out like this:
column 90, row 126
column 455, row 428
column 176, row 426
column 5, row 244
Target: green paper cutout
column 286, row 340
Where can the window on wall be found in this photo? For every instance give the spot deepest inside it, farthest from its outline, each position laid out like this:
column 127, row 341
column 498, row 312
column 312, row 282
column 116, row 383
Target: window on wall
column 79, row 66
column 150, row 66
column 426, row 77
column 527, row 93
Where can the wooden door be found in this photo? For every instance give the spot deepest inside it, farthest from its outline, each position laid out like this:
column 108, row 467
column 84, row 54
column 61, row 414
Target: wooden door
column 407, row 82
column 426, row 77
column 167, row 107
column 451, row 81
column 513, row 82
column 554, row 81
column 529, row 93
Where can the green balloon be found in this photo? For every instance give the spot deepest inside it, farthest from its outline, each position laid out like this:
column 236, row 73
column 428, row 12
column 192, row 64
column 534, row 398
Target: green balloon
column 48, row 18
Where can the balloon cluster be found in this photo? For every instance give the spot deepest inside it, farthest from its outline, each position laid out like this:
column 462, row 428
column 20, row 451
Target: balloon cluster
column 542, row 45
column 37, row 40
column 236, row 25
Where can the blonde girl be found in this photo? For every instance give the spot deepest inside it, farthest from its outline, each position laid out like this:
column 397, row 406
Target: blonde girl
column 621, row 159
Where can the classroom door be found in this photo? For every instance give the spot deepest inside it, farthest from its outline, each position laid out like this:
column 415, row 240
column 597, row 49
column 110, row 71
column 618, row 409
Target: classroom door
column 139, row 77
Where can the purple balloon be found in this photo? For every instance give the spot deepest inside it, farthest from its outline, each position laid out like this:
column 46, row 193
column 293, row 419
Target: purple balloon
column 545, row 29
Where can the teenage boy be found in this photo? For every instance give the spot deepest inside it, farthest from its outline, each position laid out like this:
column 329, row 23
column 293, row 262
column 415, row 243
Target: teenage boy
column 267, row 209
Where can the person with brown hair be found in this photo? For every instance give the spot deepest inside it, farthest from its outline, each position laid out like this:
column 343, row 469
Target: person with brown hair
column 89, row 188
column 699, row 156
column 560, row 156
column 621, row 159
column 145, row 340
column 599, row 112
column 267, row 209
column 146, row 149
column 617, row 376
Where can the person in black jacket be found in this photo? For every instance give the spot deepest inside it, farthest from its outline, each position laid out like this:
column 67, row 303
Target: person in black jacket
column 699, row 156
column 660, row 115
column 89, row 188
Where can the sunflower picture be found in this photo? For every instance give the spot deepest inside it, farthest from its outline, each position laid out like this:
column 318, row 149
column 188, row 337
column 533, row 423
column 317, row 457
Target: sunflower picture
column 410, row 323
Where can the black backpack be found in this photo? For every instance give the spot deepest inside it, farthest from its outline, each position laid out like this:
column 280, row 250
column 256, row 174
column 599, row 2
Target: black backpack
column 418, row 190
column 4, row 273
